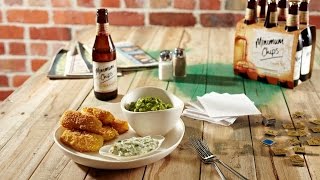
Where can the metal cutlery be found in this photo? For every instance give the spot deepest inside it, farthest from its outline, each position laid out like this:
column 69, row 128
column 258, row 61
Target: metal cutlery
column 204, row 157
column 207, row 157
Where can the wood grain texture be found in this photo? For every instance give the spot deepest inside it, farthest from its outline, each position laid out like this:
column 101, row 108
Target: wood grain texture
column 31, row 114
column 231, row 144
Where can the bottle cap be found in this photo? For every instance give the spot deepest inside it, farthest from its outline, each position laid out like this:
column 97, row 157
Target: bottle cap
column 102, row 16
column 179, row 52
column 165, row 55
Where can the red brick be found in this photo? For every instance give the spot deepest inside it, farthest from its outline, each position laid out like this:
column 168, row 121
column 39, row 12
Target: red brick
column 38, row 2
column 37, row 63
column 4, row 81
column 61, row 3
column 315, row 20
column 184, row 4
column 110, row 3
column 11, row 32
column 210, row 4
column 27, row 16
column 160, row 4
column 236, row 5
column 74, row 17
column 17, row 48
column 134, row 3
column 4, row 94
column 38, row 49
column 2, row 50
column 126, row 18
column 172, row 19
column 220, row 20
column 85, row 3
column 314, row 5
column 12, row 65
column 13, row 2
column 50, row 33
column 18, row 80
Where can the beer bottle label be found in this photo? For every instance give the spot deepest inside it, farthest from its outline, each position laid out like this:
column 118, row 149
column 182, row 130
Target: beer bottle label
column 249, row 14
column 105, row 76
column 292, row 20
column 297, row 65
column 304, row 17
column 306, row 58
column 273, row 18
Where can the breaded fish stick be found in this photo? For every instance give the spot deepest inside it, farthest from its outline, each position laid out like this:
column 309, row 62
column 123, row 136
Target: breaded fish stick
column 74, row 120
column 108, row 133
column 104, row 116
column 120, row 126
column 82, row 141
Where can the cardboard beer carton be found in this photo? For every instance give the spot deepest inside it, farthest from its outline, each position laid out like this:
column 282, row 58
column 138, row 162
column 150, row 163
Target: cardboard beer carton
column 268, row 54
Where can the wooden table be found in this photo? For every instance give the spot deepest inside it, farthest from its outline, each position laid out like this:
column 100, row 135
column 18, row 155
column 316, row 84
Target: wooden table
column 31, row 114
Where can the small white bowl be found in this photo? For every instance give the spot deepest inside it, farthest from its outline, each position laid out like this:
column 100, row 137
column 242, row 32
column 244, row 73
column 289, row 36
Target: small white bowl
column 152, row 122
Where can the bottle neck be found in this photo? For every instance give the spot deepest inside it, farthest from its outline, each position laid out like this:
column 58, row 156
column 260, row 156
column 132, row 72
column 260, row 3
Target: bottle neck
column 282, row 4
column 304, row 13
column 102, row 28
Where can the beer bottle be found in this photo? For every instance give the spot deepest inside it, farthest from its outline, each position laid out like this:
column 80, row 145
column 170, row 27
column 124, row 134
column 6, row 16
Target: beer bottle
column 307, row 40
column 272, row 18
column 104, row 60
column 297, row 64
column 292, row 22
column 251, row 12
column 261, row 9
column 304, row 12
column 282, row 10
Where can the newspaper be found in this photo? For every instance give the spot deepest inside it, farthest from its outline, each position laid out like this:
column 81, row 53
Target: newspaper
column 77, row 62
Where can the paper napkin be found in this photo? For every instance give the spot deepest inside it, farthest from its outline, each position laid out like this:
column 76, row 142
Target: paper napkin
column 222, row 109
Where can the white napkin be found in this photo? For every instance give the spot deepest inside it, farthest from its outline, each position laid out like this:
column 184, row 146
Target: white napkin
column 217, row 105
column 222, row 109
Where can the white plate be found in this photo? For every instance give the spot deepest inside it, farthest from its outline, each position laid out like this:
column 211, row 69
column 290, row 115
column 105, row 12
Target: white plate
column 172, row 140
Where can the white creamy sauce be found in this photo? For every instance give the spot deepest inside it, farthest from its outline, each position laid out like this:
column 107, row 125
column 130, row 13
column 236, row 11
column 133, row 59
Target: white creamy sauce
column 134, row 146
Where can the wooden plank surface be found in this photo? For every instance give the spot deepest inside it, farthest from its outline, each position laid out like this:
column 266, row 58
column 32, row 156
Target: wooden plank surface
column 30, row 115
column 231, row 144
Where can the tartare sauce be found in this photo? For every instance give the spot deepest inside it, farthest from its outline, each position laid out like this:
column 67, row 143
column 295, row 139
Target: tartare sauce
column 134, row 146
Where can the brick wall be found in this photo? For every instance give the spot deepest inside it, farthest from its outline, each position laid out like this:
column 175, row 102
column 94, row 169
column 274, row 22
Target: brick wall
column 32, row 30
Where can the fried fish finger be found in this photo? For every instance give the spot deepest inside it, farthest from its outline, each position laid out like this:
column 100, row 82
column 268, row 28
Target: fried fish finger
column 74, row 120
column 82, row 141
column 104, row 116
column 108, row 133
column 120, row 125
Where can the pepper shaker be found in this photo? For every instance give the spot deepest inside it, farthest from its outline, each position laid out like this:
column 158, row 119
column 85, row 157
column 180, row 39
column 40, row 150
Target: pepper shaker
column 165, row 65
column 179, row 63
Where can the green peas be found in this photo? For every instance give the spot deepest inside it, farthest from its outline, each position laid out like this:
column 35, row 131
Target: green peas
column 148, row 103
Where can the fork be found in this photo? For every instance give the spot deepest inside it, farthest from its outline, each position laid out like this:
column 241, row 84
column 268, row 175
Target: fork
column 207, row 156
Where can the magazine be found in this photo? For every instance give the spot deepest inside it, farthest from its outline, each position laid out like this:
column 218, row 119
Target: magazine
column 77, row 62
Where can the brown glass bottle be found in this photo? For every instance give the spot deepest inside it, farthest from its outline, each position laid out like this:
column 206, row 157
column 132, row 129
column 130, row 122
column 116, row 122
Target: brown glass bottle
column 282, row 10
column 292, row 22
column 261, row 9
column 251, row 12
column 304, row 12
column 272, row 18
column 297, row 65
column 104, row 60
column 307, row 40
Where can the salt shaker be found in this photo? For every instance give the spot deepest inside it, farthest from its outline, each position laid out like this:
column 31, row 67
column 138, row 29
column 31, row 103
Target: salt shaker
column 179, row 63
column 165, row 65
